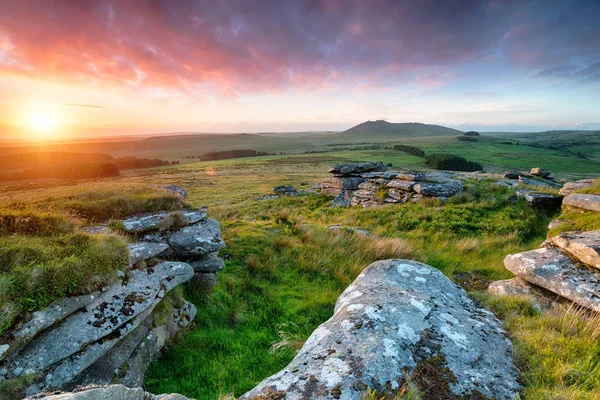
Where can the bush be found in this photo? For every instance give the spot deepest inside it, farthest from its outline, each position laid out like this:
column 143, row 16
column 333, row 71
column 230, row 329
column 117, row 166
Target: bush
column 452, row 162
column 222, row 155
column 466, row 138
column 415, row 151
column 471, row 133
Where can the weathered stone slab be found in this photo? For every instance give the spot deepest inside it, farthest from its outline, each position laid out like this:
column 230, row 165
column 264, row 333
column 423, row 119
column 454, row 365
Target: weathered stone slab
column 585, row 201
column 541, row 172
column 369, row 186
column 211, row 263
column 45, row 318
column 355, row 168
column 333, row 185
column 198, row 239
column 384, row 175
column 399, row 195
column 174, row 189
column 405, row 185
column 585, row 246
column 153, row 342
column 411, row 176
column 108, row 392
column 110, row 312
column 397, row 315
column 540, row 199
column 145, row 250
column 520, row 287
column 438, row 189
column 577, row 185
column 145, row 223
column 284, row 190
column 551, row 269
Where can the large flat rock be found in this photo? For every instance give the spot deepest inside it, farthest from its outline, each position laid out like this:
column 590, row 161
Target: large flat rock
column 553, row 270
column 585, row 201
column 107, row 392
column 570, row 187
column 75, row 342
column 397, row 319
column 198, row 239
column 446, row 189
column 357, row 168
column 145, row 250
column 145, row 223
column 585, row 246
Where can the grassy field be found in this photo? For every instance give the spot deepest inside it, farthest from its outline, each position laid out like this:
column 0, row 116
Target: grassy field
column 285, row 269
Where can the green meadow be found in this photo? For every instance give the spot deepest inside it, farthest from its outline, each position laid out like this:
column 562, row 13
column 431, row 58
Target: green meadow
column 285, row 268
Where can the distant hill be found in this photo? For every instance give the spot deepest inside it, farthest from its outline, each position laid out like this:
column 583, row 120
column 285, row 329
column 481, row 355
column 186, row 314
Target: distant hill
column 388, row 130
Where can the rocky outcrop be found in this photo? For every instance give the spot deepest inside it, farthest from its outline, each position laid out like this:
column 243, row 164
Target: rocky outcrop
column 111, row 336
column 570, row 187
column 548, row 201
column 174, row 189
column 542, row 173
column 392, row 187
column 107, row 392
column 352, row 186
column 589, row 202
column 61, row 343
column 152, row 222
column 553, row 270
column 398, row 319
column 584, row 246
column 346, row 178
column 285, row 190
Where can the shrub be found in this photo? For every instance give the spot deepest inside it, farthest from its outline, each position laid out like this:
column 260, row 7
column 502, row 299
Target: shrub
column 415, row 151
column 466, row 138
column 471, row 133
column 452, row 162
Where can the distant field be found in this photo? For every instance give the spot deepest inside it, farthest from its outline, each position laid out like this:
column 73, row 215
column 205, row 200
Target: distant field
column 569, row 153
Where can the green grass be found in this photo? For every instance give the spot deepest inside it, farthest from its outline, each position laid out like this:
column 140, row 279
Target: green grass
column 36, row 271
column 286, row 270
column 43, row 254
column 556, row 352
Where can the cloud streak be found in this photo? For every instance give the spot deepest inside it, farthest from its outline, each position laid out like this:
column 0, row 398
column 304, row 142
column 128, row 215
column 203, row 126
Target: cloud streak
column 82, row 106
column 240, row 46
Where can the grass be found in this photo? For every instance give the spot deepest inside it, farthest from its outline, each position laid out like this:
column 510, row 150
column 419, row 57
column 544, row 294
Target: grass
column 575, row 219
column 36, row 271
column 45, row 257
column 285, row 269
column 556, row 352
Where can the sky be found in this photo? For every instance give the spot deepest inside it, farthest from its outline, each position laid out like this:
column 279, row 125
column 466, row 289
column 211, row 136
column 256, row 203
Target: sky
column 99, row 67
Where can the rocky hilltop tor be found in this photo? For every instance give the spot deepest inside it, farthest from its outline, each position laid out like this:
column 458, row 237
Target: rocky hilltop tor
column 403, row 129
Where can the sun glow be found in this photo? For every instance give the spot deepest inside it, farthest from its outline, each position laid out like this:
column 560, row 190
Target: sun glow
column 43, row 124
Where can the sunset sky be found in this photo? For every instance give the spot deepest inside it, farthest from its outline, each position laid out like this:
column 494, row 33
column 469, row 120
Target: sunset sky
column 128, row 66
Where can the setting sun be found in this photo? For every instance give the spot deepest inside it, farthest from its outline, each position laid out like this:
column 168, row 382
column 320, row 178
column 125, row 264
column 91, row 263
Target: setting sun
column 43, row 123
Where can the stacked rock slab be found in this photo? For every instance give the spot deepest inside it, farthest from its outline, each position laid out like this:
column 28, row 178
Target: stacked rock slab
column 393, row 187
column 197, row 243
column 107, row 392
column 567, row 265
column 398, row 319
column 75, row 336
column 111, row 336
column 346, row 178
column 371, row 185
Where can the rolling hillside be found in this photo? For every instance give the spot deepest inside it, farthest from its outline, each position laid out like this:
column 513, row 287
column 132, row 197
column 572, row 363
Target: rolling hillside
column 387, row 130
